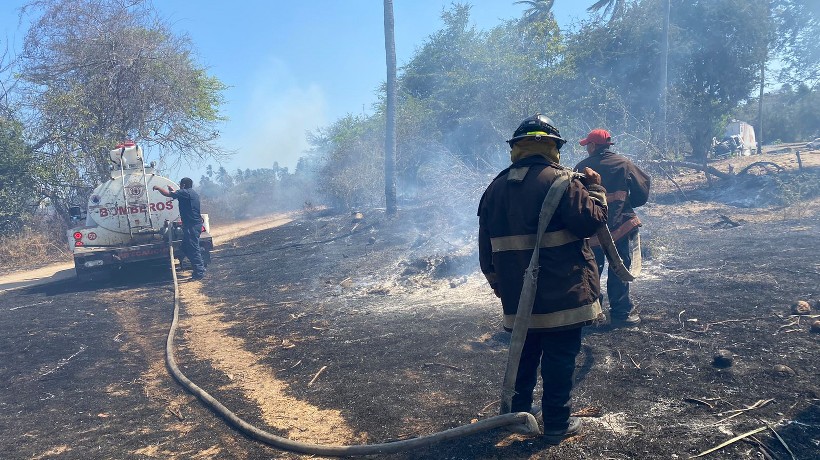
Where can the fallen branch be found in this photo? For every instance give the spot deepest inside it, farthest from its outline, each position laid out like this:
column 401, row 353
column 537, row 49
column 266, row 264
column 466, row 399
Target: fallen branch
column 676, row 337
column 668, row 176
column 737, row 412
column 731, row 321
column 764, row 451
column 316, row 376
column 667, row 351
column 364, row 339
column 633, row 362
column 291, row 367
column 481, row 412
column 699, row 167
column 762, row 164
column 708, row 325
column 729, row 442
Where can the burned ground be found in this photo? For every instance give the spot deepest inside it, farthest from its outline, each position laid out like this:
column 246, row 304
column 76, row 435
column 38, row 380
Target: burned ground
column 343, row 329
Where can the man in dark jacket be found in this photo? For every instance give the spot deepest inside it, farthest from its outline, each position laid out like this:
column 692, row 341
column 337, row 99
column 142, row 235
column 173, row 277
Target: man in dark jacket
column 567, row 294
column 191, row 222
column 627, row 188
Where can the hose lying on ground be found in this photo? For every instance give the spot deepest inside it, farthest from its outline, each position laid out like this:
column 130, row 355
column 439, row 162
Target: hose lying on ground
column 510, row 419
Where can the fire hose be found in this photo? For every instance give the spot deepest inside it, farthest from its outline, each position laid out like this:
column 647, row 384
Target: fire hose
column 498, row 421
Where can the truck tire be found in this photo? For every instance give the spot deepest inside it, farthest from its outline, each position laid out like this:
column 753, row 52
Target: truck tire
column 206, row 257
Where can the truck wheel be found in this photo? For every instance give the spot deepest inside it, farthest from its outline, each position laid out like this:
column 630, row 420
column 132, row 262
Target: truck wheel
column 206, row 257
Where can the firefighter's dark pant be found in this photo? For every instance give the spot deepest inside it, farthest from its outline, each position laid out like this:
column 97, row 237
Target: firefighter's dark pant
column 556, row 352
column 620, row 306
column 190, row 247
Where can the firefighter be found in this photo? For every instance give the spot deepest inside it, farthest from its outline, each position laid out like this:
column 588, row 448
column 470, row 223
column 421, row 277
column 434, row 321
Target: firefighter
column 627, row 188
column 191, row 222
column 567, row 294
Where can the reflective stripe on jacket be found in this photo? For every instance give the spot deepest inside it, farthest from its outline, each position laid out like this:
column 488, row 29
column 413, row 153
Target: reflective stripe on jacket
column 568, row 287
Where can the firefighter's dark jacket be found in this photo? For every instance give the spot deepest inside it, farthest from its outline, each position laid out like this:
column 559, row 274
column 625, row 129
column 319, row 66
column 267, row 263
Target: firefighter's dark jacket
column 627, row 187
column 568, row 287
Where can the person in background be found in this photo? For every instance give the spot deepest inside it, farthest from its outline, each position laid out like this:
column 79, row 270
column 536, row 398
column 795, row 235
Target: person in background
column 191, row 222
column 627, row 188
column 568, row 290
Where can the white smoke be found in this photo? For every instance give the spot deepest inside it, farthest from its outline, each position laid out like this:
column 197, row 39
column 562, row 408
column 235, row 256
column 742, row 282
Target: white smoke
column 271, row 124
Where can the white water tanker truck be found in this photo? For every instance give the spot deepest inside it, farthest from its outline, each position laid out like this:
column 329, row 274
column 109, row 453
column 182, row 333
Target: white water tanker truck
column 126, row 221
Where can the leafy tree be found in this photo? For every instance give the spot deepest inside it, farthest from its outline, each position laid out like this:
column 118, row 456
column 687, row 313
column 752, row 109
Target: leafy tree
column 613, row 73
column 479, row 85
column 795, row 113
column 717, row 49
column 794, row 41
column 18, row 177
column 347, row 156
column 446, row 74
column 96, row 72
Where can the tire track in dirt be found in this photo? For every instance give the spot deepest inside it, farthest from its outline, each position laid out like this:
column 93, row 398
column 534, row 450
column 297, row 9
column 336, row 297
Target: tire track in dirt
column 208, row 337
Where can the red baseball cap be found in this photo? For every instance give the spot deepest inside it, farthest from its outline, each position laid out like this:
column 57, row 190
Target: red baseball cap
column 597, row 136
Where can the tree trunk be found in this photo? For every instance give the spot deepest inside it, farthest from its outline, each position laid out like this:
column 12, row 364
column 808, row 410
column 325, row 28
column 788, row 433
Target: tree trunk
column 390, row 115
column 664, row 74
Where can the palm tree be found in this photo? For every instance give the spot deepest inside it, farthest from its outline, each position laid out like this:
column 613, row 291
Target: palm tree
column 611, row 8
column 538, row 11
column 390, row 115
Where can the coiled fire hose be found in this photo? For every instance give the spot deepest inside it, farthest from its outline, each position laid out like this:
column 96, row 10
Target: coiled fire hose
column 510, row 419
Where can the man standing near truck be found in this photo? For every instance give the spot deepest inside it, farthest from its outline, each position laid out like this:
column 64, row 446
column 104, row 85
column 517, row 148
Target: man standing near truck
column 191, row 222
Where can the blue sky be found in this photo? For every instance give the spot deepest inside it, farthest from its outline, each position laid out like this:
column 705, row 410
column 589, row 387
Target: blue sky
column 297, row 66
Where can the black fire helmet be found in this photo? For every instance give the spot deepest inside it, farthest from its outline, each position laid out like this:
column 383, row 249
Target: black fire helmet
column 537, row 127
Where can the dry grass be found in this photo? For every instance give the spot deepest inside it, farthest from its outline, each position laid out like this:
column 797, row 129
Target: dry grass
column 30, row 248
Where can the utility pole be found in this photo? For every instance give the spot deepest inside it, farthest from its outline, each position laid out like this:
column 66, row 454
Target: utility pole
column 759, row 134
column 665, row 75
column 390, row 116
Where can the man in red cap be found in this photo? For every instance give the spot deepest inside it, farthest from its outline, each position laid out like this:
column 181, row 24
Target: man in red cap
column 627, row 187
